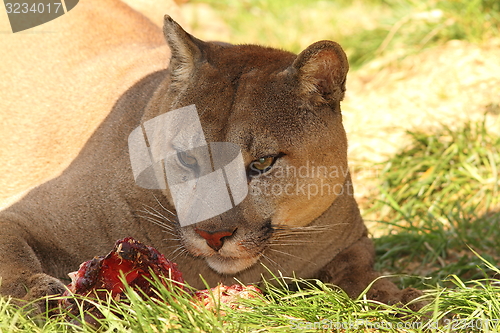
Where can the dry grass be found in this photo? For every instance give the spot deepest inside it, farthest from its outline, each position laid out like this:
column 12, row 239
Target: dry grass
column 444, row 85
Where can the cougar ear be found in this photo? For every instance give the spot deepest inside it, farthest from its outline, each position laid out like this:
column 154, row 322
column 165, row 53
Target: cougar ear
column 186, row 50
column 321, row 69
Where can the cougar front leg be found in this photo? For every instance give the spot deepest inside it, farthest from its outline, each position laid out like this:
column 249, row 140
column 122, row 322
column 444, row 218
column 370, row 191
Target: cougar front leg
column 352, row 270
column 21, row 272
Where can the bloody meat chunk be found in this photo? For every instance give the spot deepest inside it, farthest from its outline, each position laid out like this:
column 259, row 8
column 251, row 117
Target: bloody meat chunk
column 134, row 262
column 130, row 260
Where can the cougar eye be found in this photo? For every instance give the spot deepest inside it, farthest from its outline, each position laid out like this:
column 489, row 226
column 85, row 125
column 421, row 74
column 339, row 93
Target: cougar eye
column 187, row 159
column 263, row 164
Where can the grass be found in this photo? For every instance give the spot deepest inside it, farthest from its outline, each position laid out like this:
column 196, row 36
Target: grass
column 468, row 307
column 366, row 29
column 440, row 172
column 436, row 251
column 437, row 198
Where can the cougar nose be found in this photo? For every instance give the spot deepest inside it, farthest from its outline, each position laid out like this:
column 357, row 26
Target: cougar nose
column 215, row 239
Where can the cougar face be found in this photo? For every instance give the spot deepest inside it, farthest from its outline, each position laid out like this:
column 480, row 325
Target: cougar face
column 283, row 111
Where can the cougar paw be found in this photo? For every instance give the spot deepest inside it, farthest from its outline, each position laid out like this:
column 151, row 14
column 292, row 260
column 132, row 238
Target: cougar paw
column 386, row 292
column 41, row 285
column 410, row 294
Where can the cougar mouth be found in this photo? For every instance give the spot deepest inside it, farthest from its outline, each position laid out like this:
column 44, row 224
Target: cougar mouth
column 236, row 253
column 230, row 265
column 230, row 259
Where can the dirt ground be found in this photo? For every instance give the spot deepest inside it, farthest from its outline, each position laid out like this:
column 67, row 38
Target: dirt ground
column 443, row 85
column 447, row 85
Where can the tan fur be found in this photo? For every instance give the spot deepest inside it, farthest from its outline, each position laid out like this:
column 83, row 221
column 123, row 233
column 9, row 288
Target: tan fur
column 59, row 81
column 268, row 102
